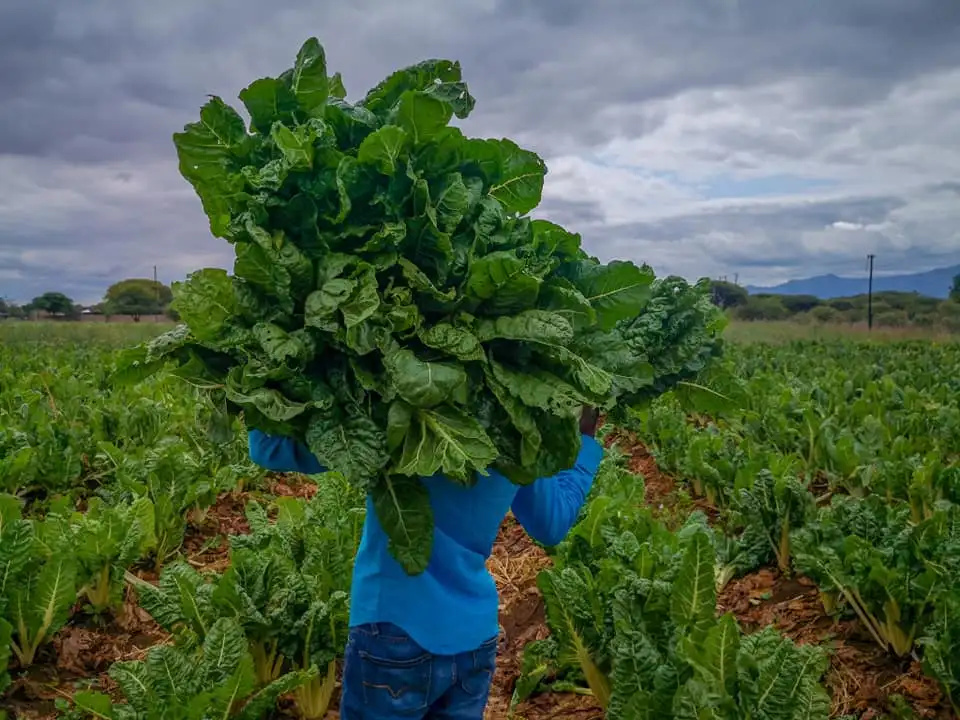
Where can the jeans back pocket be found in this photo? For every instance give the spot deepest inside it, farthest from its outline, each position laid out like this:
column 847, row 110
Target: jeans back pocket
column 396, row 674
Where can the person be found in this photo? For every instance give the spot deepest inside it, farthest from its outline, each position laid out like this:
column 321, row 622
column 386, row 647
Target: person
column 424, row 646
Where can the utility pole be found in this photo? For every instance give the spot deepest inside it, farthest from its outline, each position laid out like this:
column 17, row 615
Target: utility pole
column 870, row 293
column 156, row 291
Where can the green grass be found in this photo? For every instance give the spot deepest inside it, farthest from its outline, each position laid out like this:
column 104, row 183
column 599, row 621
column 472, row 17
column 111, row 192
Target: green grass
column 14, row 332
column 774, row 332
column 787, row 331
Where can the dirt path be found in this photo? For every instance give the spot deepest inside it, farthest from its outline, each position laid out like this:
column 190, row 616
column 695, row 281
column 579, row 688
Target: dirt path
column 514, row 564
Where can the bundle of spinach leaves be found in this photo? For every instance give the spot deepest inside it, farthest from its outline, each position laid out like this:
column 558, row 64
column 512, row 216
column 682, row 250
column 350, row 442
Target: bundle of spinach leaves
column 392, row 305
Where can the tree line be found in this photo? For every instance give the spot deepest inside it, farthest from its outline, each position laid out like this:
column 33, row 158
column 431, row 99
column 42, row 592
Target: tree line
column 890, row 309
column 135, row 297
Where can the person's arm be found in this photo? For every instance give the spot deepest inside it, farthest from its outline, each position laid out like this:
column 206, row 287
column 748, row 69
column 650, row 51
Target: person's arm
column 281, row 454
column 549, row 507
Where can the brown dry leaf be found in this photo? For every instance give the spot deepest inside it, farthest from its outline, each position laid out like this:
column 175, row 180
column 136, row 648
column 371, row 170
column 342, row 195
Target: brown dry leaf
column 292, row 485
column 70, row 646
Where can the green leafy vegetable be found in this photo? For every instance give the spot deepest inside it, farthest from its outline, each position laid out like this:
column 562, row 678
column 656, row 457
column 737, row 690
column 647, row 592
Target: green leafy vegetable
column 107, row 540
column 391, row 305
column 6, row 635
column 287, row 586
column 38, row 580
column 631, row 608
column 769, row 509
column 941, row 650
column 888, row 570
column 192, row 682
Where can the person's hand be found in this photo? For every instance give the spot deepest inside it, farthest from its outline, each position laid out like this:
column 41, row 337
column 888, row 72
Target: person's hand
column 589, row 419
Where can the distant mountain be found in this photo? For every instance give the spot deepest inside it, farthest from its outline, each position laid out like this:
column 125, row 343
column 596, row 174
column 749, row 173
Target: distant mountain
column 934, row 283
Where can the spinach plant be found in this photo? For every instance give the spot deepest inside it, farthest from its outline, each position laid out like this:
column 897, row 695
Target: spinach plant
column 190, row 682
column 631, row 608
column 38, row 580
column 393, row 306
column 287, row 587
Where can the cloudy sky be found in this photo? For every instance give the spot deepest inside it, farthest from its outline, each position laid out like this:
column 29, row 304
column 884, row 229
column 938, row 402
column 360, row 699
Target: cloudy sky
column 764, row 139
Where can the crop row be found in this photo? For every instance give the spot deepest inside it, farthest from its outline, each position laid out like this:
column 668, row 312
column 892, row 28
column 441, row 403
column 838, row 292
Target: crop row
column 98, row 486
column 65, row 430
column 632, row 610
column 272, row 623
column 277, row 615
column 94, row 481
column 838, row 462
column 833, row 461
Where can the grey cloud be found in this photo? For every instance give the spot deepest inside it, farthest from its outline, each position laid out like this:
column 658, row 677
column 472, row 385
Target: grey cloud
column 770, row 218
column 527, row 61
column 101, row 86
column 777, row 240
column 572, row 213
column 948, row 187
column 855, row 50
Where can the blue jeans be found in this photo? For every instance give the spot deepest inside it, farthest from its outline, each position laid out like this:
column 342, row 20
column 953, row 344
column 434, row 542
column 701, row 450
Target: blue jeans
column 386, row 675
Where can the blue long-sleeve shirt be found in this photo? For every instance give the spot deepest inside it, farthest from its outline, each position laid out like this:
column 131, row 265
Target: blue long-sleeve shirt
column 452, row 607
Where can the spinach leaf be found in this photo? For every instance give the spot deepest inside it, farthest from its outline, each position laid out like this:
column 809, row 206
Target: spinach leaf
column 383, row 255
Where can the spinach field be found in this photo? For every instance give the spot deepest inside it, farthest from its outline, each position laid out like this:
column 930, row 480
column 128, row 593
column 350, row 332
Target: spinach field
column 795, row 553
column 832, row 488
